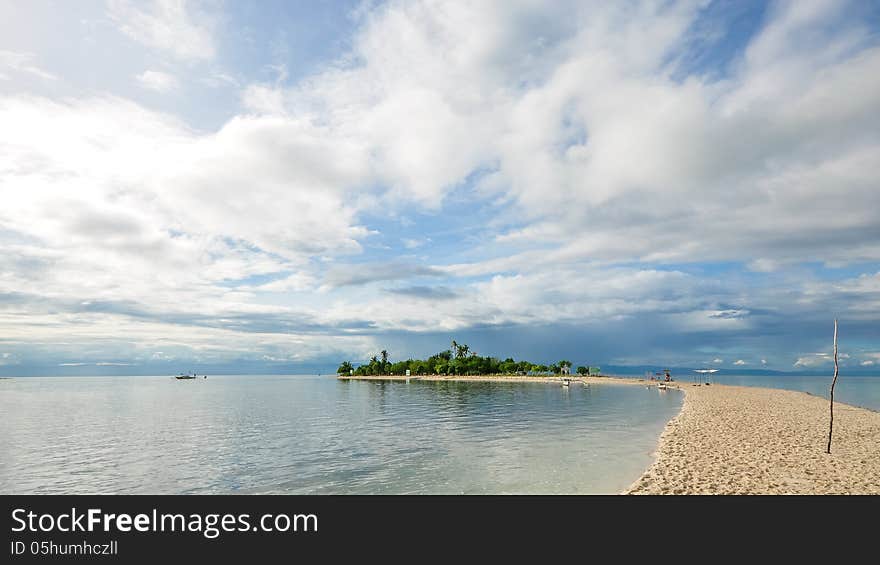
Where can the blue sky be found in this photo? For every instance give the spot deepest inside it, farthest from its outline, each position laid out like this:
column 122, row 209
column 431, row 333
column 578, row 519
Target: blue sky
column 277, row 186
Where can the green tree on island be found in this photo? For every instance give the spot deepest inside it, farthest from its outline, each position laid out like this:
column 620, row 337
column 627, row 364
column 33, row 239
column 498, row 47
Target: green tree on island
column 459, row 360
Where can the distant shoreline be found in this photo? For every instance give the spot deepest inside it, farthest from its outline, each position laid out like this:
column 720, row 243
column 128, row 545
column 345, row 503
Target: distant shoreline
column 498, row 378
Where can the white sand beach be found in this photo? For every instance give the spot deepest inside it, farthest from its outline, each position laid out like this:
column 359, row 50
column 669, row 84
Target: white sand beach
column 746, row 440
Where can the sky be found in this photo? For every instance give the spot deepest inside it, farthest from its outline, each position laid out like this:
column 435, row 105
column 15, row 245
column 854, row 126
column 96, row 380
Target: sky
column 272, row 186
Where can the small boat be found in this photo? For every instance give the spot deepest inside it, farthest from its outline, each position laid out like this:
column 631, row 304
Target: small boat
column 182, row 377
column 662, row 386
column 566, row 382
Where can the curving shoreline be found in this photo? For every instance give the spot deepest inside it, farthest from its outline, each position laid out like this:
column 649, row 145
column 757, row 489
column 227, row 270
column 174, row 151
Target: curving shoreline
column 750, row 440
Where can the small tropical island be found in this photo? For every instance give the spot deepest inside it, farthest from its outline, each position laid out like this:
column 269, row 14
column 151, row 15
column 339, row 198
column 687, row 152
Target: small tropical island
column 459, row 360
column 725, row 440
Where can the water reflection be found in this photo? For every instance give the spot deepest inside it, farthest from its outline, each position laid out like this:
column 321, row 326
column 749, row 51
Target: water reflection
column 285, row 434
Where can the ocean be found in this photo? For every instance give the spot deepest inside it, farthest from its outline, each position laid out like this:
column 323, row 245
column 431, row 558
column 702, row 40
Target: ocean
column 317, row 435
column 861, row 390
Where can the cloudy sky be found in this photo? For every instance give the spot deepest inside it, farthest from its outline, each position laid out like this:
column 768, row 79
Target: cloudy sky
column 277, row 186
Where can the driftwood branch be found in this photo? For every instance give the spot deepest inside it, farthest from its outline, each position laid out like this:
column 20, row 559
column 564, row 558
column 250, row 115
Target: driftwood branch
column 833, row 382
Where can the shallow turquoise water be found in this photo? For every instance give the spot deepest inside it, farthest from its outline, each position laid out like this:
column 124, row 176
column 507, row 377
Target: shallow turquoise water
column 311, row 434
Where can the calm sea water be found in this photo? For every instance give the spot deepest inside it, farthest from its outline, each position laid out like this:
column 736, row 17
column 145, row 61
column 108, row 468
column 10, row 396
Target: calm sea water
column 859, row 390
column 311, row 434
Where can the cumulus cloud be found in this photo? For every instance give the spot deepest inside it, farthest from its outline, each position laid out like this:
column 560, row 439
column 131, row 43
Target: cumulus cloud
column 604, row 163
column 814, row 360
column 817, row 359
column 109, row 202
column 555, row 112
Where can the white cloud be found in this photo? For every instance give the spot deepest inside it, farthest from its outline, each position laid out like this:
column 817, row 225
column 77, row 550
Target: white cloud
column 24, row 63
column 740, row 362
column 178, row 27
column 717, row 361
column 414, row 243
column 157, row 80
column 122, row 212
column 572, row 120
column 99, row 364
column 873, row 358
column 219, row 79
column 558, row 296
column 813, row 360
column 855, row 298
column 817, row 359
column 557, row 103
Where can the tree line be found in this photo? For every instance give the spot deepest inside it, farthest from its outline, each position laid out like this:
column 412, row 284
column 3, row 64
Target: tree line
column 458, row 360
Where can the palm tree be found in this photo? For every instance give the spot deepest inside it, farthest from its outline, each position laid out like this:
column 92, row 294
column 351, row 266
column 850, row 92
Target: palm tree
column 384, row 360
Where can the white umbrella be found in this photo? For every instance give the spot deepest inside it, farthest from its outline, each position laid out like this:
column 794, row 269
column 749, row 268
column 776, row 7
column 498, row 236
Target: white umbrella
column 705, row 371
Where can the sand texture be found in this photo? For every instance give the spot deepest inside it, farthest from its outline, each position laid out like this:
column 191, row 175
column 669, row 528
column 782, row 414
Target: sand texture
column 746, row 440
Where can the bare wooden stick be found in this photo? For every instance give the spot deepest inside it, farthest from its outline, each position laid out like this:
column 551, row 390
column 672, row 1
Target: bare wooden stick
column 833, row 382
